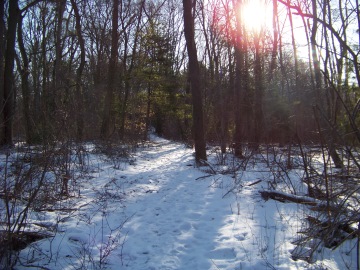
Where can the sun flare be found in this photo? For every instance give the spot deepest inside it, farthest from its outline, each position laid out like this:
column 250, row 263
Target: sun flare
column 255, row 15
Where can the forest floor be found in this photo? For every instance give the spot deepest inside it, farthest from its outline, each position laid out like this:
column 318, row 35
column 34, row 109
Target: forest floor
column 158, row 211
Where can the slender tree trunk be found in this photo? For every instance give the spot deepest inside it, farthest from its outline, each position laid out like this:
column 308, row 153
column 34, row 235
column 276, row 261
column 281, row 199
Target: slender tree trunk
column 9, row 87
column 247, row 95
column 128, row 72
column 275, row 40
column 223, row 113
column 358, row 18
column 45, row 78
column 296, row 61
column 297, row 108
column 36, row 107
column 2, row 55
column 318, row 81
column 284, row 81
column 333, row 98
column 239, row 71
column 344, row 52
column 57, row 72
column 195, row 84
column 316, row 63
column 79, row 72
column 148, row 110
column 105, row 131
column 238, row 101
column 24, row 72
column 258, row 112
column 187, row 111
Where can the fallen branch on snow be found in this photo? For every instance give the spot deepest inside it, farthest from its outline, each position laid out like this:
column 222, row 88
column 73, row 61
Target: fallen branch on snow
column 284, row 197
column 254, row 183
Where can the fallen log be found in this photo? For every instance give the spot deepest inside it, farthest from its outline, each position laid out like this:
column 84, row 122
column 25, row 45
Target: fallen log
column 284, row 197
column 316, row 204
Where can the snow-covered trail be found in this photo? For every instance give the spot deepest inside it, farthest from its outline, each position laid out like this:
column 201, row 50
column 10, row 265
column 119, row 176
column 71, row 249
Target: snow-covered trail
column 159, row 212
column 177, row 223
column 181, row 220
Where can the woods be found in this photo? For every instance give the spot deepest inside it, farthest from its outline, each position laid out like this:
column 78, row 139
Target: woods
column 111, row 75
column 241, row 76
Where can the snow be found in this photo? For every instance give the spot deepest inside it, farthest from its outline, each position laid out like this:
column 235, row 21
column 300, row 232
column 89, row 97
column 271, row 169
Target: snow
column 159, row 211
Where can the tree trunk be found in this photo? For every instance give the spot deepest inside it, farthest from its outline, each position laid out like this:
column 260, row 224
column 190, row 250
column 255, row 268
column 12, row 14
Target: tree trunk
column 24, row 72
column 297, row 108
column 316, row 63
column 57, row 80
column 45, row 95
column 258, row 112
column 148, row 110
column 105, row 131
column 79, row 72
column 128, row 71
column 239, row 72
column 358, row 32
column 318, row 86
column 9, row 87
column 2, row 55
column 238, row 101
column 195, row 84
column 275, row 40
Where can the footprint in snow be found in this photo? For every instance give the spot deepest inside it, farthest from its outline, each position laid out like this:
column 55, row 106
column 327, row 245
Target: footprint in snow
column 195, row 216
column 185, row 227
column 222, row 253
column 225, row 238
column 241, row 237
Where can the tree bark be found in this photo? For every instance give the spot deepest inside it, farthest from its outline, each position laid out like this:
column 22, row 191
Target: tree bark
column 57, row 80
column 9, row 87
column 45, row 95
column 283, row 197
column 79, row 72
column 129, row 69
column 331, row 111
column 316, row 63
column 259, row 85
column 238, row 85
column 2, row 55
column 24, row 72
column 195, row 84
column 275, row 41
column 105, row 131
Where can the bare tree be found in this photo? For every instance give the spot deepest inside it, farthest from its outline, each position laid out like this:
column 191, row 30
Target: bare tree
column 128, row 68
column 2, row 55
column 79, row 73
column 239, row 82
column 105, row 131
column 9, row 86
column 58, row 79
column 275, row 22
column 195, row 83
column 259, row 92
column 25, row 86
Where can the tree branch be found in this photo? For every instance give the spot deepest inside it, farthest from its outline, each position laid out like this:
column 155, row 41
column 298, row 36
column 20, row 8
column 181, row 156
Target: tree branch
column 332, row 30
column 31, row 4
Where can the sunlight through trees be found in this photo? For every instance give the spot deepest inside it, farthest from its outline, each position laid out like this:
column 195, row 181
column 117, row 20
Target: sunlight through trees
column 241, row 75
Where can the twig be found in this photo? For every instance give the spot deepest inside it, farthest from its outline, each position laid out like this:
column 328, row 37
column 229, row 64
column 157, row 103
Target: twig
column 256, row 182
column 208, row 164
column 202, row 177
column 215, row 264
